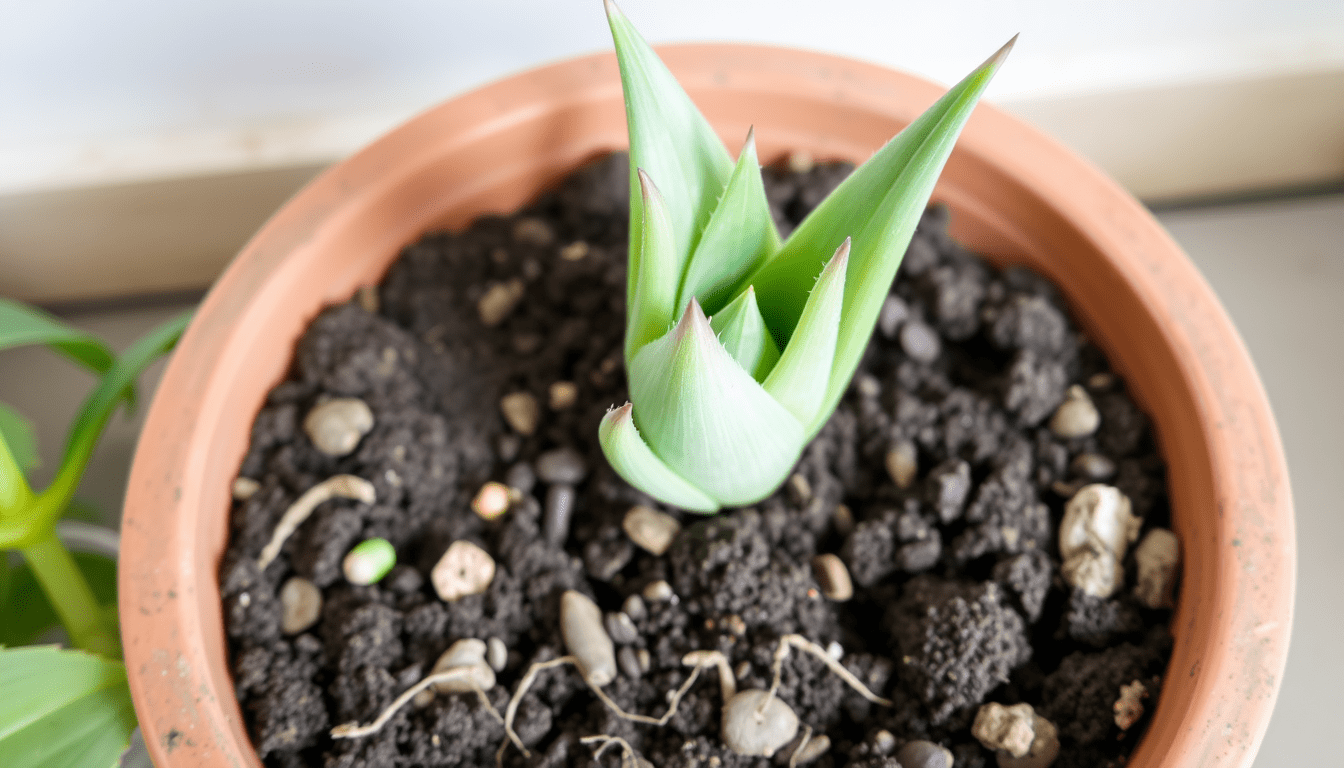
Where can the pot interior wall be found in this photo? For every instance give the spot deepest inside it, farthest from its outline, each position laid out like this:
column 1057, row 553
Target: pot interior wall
column 487, row 152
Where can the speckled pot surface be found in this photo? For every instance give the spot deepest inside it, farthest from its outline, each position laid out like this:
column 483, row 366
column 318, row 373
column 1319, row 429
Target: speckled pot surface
column 1015, row 195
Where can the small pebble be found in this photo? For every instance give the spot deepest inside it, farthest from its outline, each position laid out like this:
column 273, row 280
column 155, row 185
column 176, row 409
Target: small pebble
column 499, row 301
column 800, row 161
column 634, row 608
column 620, row 628
column 815, row 748
column 604, row 558
column 496, row 654
column 533, row 231
column 1076, row 416
column 469, row 653
column 1005, row 729
column 843, row 520
column 491, row 501
column 521, row 412
column 423, row 698
column 652, row 530
column 465, row 569
column 757, row 724
column 800, row 490
column 508, row 446
column 742, row 669
column 920, row 341
column 587, row 641
column 735, row 625
column 1157, row 558
column 1129, row 707
column 1097, row 528
column 833, row 577
column 628, row 660
column 563, row 395
column 561, row 465
column 521, row 478
column 1092, row 466
column 883, row 742
column 1101, row 381
column 244, row 488
column 575, row 251
column 527, row 343
column 868, row 386
column 644, row 659
column 301, row 604
column 919, row 555
column 658, row 591
column 367, row 296
column 902, row 463
column 369, row 561
column 558, row 513
column 336, row 426
column 924, row 754
column 893, row 313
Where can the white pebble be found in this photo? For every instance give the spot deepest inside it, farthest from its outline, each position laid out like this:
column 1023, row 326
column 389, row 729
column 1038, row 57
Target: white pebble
column 902, row 464
column 1076, row 416
column 658, row 591
column 800, row 161
column 563, row 394
column 587, row 641
column 1044, row 747
column 301, row 604
column 520, row 411
column 1129, row 707
column 533, row 232
column 815, row 748
column 757, row 724
column 575, row 251
column 1005, row 729
column 491, row 501
column 499, row 301
column 1157, row 557
column 244, row 488
column 1098, row 527
column 465, row 569
column 468, row 653
column 336, row 426
column 496, row 654
column 650, row 529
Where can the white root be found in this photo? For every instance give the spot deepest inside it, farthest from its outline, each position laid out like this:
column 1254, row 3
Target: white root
column 803, row 644
column 802, row 744
column 629, row 758
column 457, row 674
column 343, row 486
column 702, row 659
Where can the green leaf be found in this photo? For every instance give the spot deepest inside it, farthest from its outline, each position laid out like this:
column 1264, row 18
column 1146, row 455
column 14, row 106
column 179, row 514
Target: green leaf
column 18, row 434
column 654, row 278
column 707, row 418
column 879, row 206
column 21, row 325
column 100, row 404
column 743, row 333
column 799, row 380
column 671, row 141
column 739, row 237
column 62, row 708
column 632, row 459
column 25, row 612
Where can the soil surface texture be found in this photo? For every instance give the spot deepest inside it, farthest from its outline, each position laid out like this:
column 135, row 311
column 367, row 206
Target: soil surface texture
column 492, row 354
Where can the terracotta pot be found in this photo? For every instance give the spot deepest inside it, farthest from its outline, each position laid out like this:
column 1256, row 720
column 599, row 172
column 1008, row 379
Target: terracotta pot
column 1015, row 195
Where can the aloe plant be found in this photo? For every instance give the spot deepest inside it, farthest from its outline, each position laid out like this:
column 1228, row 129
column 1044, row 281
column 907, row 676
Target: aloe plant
column 738, row 346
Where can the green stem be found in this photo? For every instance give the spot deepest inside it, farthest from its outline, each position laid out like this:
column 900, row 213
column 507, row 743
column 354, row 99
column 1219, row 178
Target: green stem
column 70, row 595
column 14, row 491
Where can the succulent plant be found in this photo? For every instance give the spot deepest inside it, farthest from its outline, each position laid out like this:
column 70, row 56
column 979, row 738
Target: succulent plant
column 738, row 346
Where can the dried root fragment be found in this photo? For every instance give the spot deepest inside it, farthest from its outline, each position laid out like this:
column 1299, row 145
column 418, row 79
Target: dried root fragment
column 1129, row 707
column 456, row 675
column 342, row 486
column 629, row 757
column 803, row 644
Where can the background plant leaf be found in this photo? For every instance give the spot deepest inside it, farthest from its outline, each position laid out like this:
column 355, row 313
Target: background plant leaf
column 19, row 435
column 21, row 325
column 62, row 708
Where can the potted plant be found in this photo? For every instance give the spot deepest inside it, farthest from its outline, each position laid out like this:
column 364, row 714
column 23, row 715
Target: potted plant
column 1014, row 195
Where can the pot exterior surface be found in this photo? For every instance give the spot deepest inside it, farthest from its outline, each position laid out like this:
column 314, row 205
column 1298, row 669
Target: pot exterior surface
column 1016, row 196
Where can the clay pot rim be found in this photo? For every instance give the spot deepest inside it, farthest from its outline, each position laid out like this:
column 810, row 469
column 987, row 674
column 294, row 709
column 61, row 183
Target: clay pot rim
column 1238, row 594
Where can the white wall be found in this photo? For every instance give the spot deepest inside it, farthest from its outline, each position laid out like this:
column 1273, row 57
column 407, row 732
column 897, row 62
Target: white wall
column 97, row 91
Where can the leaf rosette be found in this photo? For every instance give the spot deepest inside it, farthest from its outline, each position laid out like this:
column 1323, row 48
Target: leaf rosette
column 738, row 346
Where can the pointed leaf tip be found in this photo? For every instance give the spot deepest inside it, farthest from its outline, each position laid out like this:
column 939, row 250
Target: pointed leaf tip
column 633, row 460
column 1001, row 54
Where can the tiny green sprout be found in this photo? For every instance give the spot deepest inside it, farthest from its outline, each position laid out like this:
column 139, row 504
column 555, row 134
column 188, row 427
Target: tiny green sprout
column 739, row 346
column 369, row 561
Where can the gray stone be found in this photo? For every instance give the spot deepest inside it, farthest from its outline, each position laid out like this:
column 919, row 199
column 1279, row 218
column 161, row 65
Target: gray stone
column 336, row 426
column 561, row 465
column 757, row 724
column 587, row 641
column 301, row 605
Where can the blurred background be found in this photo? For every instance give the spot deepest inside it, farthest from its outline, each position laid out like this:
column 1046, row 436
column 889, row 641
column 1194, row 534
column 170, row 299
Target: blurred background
column 143, row 141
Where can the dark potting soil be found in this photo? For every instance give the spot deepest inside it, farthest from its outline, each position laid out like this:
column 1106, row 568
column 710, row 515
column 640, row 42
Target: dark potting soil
column 958, row 598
